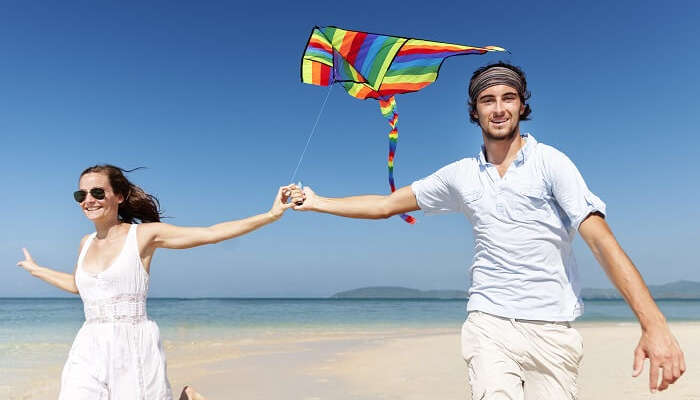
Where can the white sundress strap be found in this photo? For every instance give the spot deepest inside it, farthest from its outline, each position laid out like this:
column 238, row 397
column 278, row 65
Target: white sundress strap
column 84, row 250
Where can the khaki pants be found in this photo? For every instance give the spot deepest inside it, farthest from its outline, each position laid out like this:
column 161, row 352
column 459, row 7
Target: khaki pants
column 519, row 359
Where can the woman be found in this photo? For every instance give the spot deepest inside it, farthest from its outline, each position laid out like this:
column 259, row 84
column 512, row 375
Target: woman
column 117, row 354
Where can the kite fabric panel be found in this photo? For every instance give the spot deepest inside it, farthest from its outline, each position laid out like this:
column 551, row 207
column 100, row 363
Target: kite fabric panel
column 371, row 66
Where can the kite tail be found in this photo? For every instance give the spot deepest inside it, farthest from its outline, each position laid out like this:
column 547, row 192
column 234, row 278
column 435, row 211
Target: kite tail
column 388, row 108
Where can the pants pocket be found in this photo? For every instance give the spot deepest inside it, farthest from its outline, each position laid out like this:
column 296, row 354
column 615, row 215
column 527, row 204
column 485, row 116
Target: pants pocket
column 468, row 338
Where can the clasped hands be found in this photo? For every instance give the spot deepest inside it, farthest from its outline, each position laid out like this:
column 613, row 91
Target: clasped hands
column 298, row 196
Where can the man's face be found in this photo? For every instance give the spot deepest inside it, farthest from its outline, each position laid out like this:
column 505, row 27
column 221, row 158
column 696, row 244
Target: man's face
column 498, row 109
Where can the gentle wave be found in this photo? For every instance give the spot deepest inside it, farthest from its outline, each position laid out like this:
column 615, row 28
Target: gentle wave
column 56, row 320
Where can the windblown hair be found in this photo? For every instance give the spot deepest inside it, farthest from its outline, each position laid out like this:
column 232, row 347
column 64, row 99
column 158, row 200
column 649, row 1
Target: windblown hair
column 524, row 94
column 138, row 206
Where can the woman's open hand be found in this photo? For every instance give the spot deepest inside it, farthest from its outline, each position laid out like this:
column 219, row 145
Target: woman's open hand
column 28, row 262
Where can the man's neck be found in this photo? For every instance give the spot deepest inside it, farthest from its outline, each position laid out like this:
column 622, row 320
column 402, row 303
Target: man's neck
column 500, row 152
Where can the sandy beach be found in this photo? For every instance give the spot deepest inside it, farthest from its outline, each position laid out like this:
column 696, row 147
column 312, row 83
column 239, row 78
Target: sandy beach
column 406, row 364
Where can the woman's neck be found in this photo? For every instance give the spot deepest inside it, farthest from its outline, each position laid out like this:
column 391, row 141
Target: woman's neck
column 107, row 229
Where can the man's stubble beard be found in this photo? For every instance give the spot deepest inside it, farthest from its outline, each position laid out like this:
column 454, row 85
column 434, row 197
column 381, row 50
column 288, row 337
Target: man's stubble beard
column 509, row 136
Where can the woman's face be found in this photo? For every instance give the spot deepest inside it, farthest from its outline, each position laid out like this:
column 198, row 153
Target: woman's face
column 99, row 209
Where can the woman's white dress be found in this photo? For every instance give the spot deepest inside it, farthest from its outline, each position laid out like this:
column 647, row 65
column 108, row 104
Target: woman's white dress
column 117, row 353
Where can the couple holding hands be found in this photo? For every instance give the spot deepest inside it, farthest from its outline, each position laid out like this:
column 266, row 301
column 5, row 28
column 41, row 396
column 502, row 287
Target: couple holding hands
column 525, row 200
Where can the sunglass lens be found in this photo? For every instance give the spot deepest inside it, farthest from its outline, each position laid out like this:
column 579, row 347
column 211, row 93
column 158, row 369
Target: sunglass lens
column 97, row 193
column 79, row 195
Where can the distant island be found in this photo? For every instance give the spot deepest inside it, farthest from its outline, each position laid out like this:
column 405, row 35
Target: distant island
column 681, row 290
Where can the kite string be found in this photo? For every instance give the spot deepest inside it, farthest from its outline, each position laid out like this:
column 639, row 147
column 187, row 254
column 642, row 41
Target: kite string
column 313, row 129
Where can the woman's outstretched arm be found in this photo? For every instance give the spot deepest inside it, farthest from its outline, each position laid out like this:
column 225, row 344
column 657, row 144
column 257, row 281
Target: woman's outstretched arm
column 161, row 235
column 61, row 280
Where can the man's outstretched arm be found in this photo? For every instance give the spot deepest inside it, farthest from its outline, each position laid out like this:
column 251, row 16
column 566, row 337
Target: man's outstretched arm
column 369, row 206
column 657, row 342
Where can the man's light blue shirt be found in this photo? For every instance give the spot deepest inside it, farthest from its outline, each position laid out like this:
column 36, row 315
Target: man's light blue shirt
column 523, row 224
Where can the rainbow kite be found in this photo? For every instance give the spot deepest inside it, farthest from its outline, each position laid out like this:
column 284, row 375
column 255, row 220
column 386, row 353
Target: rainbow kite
column 371, row 66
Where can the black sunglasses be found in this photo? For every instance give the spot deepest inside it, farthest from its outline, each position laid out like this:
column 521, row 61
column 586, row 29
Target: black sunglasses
column 96, row 192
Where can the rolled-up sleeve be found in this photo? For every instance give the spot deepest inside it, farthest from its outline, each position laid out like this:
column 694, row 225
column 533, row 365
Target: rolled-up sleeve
column 435, row 193
column 570, row 190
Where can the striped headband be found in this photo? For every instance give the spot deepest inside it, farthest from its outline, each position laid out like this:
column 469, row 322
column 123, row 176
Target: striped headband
column 495, row 76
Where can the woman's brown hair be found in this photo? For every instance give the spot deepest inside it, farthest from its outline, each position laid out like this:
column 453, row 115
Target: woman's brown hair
column 138, row 206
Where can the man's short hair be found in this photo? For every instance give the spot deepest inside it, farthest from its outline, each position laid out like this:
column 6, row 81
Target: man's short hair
column 524, row 94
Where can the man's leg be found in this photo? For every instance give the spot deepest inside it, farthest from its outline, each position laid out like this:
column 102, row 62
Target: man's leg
column 487, row 347
column 553, row 359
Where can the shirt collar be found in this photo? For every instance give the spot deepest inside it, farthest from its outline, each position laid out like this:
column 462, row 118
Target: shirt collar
column 522, row 155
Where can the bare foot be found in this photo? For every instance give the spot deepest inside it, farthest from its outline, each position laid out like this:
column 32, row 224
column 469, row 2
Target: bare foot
column 188, row 393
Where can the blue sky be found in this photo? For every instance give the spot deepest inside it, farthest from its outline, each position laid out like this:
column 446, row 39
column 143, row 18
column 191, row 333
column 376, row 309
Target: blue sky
column 207, row 96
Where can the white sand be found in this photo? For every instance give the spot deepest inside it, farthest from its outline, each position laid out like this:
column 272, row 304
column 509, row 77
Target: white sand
column 374, row 364
column 431, row 366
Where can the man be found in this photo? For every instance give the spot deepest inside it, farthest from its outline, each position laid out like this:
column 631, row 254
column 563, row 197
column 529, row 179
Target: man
column 525, row 200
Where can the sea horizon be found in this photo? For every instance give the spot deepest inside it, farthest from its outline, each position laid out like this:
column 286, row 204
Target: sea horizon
column 76, row 297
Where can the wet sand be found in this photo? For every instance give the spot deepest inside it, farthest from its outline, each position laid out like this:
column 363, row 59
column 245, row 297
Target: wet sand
column 406, row 364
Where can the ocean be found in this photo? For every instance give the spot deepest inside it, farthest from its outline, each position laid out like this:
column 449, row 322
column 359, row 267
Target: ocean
column 56, row 320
